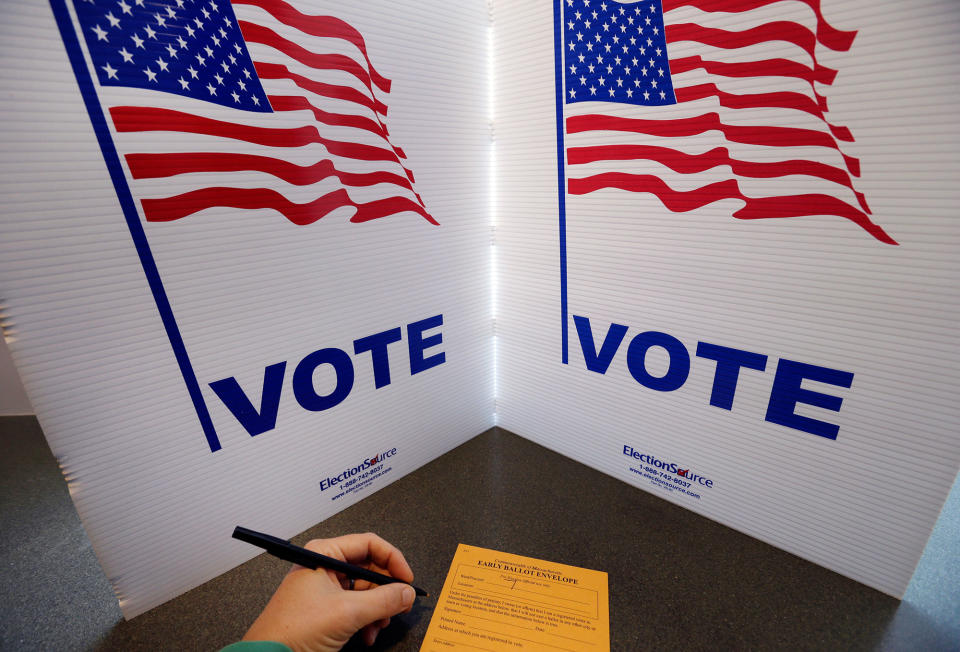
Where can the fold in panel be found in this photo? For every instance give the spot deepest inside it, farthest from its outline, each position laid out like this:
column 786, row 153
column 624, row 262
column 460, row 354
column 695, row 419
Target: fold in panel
column 735, row 222
column 243, row 261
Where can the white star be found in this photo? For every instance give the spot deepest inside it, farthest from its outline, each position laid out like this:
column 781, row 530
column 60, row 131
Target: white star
column 192, row 71
column 660, row 71
column 653, row 8
column 232, row 58
column 647, row 20
column 619, row 82
column 213, row 5
column 646, row 95
column 172, row 51
column 189, row 29
column 242, row 86
column 114, row 21
column 663, row 95
column 246, row 73
column 127, row 57
column 149, row 31
column 179, row 4
column 236, row 98
column 216, row 40
column 222, row 32
column 162, row 64
column 213, row 91
column 100, row 32
column 208, row 51
column 152, row 76
column 171, row 13
column 654, row 83
column 658, row 51
column 236, row 46
column 629, row 92
column 226, row 21
column 656, row 30
column 201, row 60
column 219, row 79
column 110, row 70
column 124, row 7
column 256, row 100
column 593, row 91
column 581, row 57
column 198, row 23
column 644, row 71
column 161, row 21
column 601, row 81
column 184, row 84
column 573, row 70
column 579, row 36
column 603, row 5
column 610, row 91
column 206, row 14
column 137, row 40
column 583, row 80
column 573, row 45
column 225, row 66
column 590, row 68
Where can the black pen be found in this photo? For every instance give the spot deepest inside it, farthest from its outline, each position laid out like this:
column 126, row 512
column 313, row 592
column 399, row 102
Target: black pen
column 307, row 558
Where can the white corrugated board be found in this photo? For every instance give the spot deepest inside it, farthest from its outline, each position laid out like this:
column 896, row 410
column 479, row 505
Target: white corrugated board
column 818, row 290
column 248, row 289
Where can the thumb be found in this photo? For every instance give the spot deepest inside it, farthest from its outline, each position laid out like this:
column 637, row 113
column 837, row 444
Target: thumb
column 377, row 603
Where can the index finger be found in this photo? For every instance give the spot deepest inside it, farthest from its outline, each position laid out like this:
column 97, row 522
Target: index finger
column 360, row 548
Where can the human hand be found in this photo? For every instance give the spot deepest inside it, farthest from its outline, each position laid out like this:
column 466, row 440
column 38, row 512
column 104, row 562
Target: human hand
column 312, row 610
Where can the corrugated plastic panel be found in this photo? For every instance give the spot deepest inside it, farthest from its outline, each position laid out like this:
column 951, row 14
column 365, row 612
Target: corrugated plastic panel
column 248, row 288
column 651, row 240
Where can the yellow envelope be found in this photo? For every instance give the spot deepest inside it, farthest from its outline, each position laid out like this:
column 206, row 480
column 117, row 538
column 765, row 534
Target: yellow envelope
column 497, row 601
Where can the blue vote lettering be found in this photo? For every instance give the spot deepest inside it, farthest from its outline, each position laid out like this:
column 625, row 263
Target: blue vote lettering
column 423, row 355
column 787, row 390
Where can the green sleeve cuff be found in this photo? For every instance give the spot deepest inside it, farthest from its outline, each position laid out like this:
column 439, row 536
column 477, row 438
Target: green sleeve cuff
column 256, row 646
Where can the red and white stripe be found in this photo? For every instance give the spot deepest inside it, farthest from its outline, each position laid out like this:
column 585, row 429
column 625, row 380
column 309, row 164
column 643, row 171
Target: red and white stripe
column 751, row 121
column 325, row 148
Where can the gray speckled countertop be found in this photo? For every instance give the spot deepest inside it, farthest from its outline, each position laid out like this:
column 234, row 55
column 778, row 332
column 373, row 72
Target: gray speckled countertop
column 677, row 580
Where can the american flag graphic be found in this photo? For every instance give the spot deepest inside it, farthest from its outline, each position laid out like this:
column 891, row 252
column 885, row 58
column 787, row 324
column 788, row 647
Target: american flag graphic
column 274, row 110
column 698, row 101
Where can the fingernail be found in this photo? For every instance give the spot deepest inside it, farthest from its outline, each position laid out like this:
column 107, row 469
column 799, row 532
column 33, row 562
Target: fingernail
column 408, row 595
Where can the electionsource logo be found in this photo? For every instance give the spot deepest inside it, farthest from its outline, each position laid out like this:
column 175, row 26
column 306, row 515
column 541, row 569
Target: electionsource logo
column 668, row 467
column 360, row 468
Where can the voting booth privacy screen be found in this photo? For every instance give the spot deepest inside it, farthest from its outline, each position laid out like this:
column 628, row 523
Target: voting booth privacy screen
column 261, row 258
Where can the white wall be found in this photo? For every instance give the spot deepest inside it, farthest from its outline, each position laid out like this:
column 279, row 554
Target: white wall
column 13, row 400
